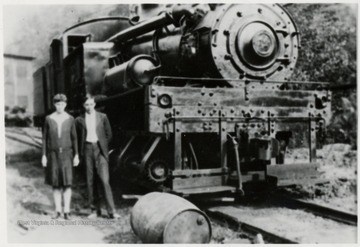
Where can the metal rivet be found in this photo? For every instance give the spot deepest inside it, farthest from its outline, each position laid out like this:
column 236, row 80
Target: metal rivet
column 227, row 56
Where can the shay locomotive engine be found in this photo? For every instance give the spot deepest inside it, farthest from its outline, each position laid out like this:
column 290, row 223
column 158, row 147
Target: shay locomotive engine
column 199, row 96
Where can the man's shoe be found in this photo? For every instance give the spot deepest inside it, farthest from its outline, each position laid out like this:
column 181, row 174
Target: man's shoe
column 94, row 215
column 67, row 216
column 56, row 216
column 114, row 216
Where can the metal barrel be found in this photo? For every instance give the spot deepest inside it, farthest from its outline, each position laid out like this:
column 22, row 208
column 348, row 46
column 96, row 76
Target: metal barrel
column 166, row 218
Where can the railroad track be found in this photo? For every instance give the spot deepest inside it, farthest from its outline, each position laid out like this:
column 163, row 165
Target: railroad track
column 34, row 138
column 18, row 135
column 14, row 138
column 236, row 225
column 319, row 210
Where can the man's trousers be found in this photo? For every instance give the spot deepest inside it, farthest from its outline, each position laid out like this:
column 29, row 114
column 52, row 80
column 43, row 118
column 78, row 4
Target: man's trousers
column 97, row 177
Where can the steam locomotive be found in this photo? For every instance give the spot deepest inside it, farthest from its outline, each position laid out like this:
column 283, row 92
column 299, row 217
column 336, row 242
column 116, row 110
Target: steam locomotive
column 199, row 96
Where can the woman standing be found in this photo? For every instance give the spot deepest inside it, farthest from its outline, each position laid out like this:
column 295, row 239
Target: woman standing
column 60, row 153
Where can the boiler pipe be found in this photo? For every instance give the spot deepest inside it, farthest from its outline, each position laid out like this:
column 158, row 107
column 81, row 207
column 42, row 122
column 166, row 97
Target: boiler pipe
column 152, row 24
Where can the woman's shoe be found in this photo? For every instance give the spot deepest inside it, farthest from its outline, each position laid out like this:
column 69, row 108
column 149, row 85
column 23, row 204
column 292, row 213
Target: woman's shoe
column 56, row 216
column 67, row 216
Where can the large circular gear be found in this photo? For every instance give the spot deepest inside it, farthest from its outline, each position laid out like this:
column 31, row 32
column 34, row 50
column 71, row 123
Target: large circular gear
column 157, row 170
column 254, row 41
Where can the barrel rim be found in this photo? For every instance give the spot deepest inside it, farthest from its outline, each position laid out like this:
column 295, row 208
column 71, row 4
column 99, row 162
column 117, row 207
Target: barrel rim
column 186, row 210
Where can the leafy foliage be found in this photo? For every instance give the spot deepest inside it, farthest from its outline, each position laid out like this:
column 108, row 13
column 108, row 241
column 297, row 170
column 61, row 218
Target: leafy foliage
column 328, row 54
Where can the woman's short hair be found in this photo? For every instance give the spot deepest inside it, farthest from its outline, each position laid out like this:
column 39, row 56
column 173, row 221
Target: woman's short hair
column 60, row 98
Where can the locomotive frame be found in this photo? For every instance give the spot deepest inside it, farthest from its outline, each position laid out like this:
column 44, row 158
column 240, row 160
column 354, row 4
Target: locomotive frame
column 164, row 111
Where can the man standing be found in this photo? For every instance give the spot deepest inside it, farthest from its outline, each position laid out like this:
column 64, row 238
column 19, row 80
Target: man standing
column 94, row 135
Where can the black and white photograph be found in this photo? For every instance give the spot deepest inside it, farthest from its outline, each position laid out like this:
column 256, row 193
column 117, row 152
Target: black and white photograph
column 188, row 123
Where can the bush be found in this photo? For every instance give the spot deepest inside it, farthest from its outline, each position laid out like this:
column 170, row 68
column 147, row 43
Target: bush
column 17, row 117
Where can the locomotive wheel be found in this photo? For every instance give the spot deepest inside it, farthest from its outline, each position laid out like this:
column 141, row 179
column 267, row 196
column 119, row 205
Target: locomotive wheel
column 157, row 170
column 129, row 167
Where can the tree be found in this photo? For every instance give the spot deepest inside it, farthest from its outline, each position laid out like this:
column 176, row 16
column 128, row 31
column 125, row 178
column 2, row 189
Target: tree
column 328, row 54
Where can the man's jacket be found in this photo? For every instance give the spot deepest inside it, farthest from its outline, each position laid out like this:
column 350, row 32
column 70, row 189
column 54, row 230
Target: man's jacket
column 103, row 132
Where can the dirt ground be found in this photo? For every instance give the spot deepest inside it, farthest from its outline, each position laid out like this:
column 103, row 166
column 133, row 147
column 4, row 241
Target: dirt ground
column 296, row 225
column 30, row 202
column 30, row 206
column 338, row 168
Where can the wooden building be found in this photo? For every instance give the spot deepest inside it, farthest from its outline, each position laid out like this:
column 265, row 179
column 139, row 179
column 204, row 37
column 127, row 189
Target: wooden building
column 18, row 81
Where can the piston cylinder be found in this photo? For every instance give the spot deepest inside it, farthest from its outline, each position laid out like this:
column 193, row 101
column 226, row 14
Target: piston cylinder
column 138, row 71
column 166, row 218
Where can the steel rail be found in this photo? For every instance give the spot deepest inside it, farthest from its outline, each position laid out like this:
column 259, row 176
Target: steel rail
column 236, row 225
column 36, row 139
column 322, row 211
column 14, row 138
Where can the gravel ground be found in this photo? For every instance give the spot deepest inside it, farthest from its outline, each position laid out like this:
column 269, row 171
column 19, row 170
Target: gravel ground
column 30, row 199
column 296, row 225
column 30, row 205
column 338, row 165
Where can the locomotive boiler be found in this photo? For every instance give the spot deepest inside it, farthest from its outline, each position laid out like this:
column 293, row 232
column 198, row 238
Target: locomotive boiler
column 199, row 95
